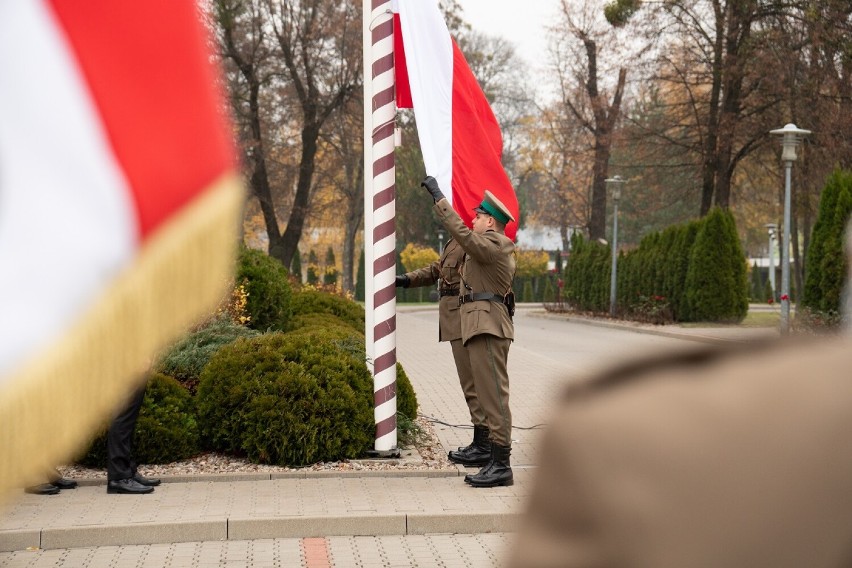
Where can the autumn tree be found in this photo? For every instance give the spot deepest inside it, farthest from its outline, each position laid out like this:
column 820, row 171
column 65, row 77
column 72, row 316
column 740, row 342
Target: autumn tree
column 595, row 103
column 292, row 66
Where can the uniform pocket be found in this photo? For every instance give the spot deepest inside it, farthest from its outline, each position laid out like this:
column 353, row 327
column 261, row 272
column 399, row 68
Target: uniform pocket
column 477, row 314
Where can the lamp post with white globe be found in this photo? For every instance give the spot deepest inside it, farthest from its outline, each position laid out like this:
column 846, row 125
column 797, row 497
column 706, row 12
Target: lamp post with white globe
column 791, row 137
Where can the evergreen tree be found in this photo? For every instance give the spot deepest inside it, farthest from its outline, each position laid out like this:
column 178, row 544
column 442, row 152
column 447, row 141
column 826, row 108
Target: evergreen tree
column 833, row 268
column 822, row 232
column 527, row 294
column 757, row 289
column 330, row 273
column 826, row 261
column 716, row 281
column 313, row 268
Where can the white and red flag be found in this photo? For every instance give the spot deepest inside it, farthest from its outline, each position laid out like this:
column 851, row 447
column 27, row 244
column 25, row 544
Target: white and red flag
column 459, row 135
column 119, row 208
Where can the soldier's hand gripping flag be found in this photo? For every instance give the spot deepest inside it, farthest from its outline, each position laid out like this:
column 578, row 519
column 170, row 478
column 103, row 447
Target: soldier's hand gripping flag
column 119, row 207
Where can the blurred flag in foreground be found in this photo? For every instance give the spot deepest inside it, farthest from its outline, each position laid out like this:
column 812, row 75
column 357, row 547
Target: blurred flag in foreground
column 459, row 135
column 119, row 207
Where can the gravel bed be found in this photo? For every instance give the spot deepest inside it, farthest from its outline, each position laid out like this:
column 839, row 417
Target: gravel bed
column 428, row 454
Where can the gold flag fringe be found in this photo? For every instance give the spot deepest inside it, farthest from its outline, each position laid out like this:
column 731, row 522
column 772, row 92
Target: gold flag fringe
column 52, row 405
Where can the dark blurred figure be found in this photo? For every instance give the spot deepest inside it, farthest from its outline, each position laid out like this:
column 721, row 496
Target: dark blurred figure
column 718, row 458
column 122, row 476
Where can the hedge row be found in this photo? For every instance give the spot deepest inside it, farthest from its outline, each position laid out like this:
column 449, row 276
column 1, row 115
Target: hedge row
column 691, row 272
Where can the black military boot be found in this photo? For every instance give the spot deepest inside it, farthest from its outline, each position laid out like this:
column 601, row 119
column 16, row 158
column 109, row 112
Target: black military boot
column 498, row 472
column 477, row 453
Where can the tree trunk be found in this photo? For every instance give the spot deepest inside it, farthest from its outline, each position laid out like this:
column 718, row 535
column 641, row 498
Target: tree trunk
column 296, row 223
column 597, row 220
column 354, row 216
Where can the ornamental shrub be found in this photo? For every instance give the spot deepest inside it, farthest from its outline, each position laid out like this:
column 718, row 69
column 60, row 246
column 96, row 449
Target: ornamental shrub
column 716, row 281
column 185, row 360
column 406, row 399
column 287, row 399
column 268, row 286
column 309, row 301
column 166, row 430
column 826, row 262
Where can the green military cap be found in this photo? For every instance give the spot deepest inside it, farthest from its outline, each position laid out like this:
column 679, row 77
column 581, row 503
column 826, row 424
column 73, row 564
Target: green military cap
column 492, row 206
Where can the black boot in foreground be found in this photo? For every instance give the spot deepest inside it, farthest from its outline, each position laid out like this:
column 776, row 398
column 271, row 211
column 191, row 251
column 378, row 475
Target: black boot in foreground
column 477, row 453
column 498, row 472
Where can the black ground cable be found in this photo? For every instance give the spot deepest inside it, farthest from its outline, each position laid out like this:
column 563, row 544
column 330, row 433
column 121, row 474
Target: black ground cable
column 470, row 427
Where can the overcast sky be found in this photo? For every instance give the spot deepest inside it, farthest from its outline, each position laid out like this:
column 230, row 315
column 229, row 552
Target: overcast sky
column 522, row 23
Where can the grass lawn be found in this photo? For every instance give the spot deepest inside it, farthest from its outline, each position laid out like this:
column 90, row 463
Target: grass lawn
column 752, row 319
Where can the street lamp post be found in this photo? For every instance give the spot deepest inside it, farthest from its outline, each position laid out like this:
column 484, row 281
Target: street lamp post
column 440, row 241
column 791, row 137
column 773, row 230
column 615, row 184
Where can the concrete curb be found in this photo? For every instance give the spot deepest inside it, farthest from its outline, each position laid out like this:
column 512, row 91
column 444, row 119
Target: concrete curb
column 701, row 337
column 266, row 476
column 258, row 528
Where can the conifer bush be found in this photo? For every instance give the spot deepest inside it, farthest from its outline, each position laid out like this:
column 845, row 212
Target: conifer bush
column 185, row 360
column 268, row 286
column 166, row 430
column 287, row 399
column 826, row 259
column 309, row 301
column 716, row 280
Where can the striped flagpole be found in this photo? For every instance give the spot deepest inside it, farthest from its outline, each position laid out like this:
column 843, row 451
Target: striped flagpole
column 379, row 217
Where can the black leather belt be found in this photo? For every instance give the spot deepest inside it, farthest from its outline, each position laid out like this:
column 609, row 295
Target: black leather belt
column 448, row 292
column 477, row 296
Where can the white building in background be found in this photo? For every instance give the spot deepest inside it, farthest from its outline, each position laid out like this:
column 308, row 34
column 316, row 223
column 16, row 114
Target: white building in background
column 539, row 238
column 542, row 238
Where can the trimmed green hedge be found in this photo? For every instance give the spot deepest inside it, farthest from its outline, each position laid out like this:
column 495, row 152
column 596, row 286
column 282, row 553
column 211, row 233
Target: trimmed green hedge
column 166, row 430
column 269, row 292
column 826, row 261
column 691, row 272
column 287, row 399
column 308, row 301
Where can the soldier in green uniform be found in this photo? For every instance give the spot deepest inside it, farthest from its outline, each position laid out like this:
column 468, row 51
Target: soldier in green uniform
column 445, row 272
column 486, row 325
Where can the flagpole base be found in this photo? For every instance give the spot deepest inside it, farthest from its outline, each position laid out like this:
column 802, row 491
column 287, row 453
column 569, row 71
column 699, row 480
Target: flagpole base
column 392, row 453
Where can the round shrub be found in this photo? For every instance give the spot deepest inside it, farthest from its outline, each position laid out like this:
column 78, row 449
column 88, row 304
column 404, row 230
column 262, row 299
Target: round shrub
column 309, row 301
column 406, row 400
column 166, row 430
column 343, row 338
column 186, row 358
column 268, row 286
column 309, row 322
column 287, row 399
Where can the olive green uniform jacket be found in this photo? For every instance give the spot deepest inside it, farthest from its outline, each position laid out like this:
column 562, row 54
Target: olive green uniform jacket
column 446, row 271
column 489, row 266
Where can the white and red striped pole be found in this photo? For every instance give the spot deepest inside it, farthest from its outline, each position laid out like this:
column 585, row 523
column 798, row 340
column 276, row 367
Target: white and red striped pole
column 379, row 216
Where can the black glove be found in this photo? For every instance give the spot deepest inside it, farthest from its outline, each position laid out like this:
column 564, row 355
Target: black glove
column 431, row 184
column 402, row 280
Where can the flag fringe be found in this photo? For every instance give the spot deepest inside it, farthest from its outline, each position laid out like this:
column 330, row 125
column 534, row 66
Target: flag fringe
column 51, row 406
